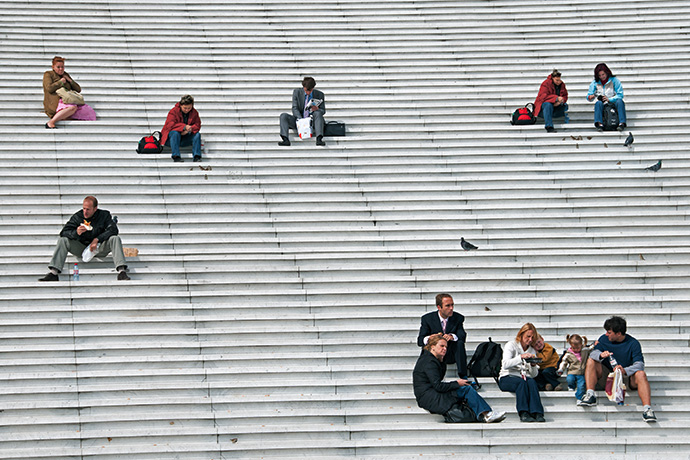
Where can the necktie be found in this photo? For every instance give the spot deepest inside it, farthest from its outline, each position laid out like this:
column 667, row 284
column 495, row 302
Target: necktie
column 443, row 325
column 306, row 105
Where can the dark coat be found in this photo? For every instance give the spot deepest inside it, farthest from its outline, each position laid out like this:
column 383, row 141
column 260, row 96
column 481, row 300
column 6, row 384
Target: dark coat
column 547, row 93
column 431, row 324
column 101, row 222
column 431, row 392
column 175, row 122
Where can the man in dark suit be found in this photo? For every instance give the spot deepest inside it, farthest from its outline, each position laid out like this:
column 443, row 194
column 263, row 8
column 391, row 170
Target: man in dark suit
column 448, row 323
column 306, row 101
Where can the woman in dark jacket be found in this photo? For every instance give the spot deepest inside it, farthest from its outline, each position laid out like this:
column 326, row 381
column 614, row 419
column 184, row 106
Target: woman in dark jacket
column 437, row 396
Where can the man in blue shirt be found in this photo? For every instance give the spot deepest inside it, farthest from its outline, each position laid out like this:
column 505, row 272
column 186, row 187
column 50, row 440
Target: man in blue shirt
column 628, row 358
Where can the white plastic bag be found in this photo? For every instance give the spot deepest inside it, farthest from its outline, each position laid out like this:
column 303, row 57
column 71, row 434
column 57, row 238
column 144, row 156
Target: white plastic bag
column 87, row 255
column 304, row 127
column 615, row 388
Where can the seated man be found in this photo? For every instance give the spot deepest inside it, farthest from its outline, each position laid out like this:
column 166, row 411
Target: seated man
column 182, row 128
column 306, row 102
column 448, row 323
column 88, row 228
column 628, row 355
column 551, row 100
column 547, row 378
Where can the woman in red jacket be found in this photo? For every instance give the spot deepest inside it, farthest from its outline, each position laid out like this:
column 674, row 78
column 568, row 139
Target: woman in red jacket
column 551, row 100
column 182, row 129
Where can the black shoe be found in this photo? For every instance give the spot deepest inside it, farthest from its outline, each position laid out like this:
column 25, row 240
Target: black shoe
column 525, row 417
column 48, row 127
column 622, row 127
column 177, row 159
column 50, row 277
column 122, row 276
column 599, row 127
column 319, row 141
column 285, row 142
column 538, row 417
column 588, row 400
column 197, row 159
column 549, row 129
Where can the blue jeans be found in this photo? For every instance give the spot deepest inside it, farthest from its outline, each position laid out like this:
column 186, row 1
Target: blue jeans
column 476, row 402
column 547, row 375
column 526, row 393
column 176, row 140
column 548, row 112
column 577, row 383
column 599, row 111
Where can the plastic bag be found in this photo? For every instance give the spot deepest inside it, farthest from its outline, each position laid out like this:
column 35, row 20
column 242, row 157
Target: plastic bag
column 304, row 128
column 87, row 255
column 615, row 388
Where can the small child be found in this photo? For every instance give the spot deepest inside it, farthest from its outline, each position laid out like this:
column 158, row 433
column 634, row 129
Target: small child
column 547, row 379
column 575, row 361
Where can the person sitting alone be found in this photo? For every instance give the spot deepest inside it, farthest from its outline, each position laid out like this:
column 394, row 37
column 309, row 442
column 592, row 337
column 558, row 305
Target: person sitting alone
column 182, row 128
column 306, row 102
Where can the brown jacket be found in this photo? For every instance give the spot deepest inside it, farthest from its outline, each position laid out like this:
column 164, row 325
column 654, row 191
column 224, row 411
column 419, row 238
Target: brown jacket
column 51, row 83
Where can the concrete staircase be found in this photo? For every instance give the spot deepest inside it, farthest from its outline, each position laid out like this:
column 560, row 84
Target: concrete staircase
column 275, row 301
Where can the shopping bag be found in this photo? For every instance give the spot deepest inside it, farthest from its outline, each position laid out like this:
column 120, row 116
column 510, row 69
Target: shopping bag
column 304, row 127
column 615, row 388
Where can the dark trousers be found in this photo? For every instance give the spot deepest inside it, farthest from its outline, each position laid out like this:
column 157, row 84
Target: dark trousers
column 526, row 393
column 545, row 376
column 457, row 354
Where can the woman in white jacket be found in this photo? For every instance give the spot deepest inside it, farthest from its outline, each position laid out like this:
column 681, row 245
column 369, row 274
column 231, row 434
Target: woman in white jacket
column 517, row 375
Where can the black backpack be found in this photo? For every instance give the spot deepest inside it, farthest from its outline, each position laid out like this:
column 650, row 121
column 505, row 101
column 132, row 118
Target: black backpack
column 524, row 115
column 486, row 361
column 150, row 143
column 610, row 117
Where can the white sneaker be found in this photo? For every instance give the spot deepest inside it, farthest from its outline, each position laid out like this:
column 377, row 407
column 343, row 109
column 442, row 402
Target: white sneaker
column 494, row 417
column 579, row 402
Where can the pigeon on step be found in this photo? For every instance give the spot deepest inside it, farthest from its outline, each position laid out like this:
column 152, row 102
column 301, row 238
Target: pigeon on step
column 629, row 140
column 655, row 167
column 467, row 246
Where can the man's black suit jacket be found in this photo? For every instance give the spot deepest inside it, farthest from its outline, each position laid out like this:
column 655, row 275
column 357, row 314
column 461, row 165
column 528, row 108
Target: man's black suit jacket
column 431, row 324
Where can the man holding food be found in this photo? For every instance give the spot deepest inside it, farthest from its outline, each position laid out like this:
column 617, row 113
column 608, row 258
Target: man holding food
column 90, row 228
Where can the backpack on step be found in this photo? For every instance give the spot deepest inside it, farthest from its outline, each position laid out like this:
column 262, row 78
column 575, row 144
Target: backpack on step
column 524, row 115
column 611, row 120
column 150, row 143
column 486, row 361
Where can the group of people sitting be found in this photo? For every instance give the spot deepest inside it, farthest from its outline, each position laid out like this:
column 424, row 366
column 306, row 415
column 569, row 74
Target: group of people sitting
column 183, row 123
column 605, row 89
column 443, row 338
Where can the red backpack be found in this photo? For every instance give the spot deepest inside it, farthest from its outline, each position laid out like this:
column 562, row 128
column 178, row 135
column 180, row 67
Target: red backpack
column 150, row 143
column 524, row 115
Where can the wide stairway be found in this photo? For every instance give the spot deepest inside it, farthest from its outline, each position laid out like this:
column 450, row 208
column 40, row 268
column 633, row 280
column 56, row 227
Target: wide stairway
column 275, row 299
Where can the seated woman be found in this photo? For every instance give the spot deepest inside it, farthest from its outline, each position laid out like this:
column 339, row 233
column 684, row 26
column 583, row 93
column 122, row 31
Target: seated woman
column 182, row 128
column 606, row 88
column 551, row 100
column 437, row 396
column 517, row 376
column 53, row 105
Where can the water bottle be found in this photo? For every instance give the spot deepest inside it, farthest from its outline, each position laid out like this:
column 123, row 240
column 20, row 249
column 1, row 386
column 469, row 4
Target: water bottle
column 613, row 361
column 75, row 272
column 203, row 148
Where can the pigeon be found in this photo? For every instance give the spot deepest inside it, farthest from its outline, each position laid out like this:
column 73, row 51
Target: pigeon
column 629, row 140
column 467, row 246
column 655, row 167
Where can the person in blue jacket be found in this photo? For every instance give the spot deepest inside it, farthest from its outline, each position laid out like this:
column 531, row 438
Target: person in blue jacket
column 606, row 88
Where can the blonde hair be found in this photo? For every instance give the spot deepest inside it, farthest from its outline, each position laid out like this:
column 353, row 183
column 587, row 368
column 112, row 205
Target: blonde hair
column 526, row 327
column 433, row 340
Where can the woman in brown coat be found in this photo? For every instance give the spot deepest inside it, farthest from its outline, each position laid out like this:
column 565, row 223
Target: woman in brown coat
column 53, row 105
